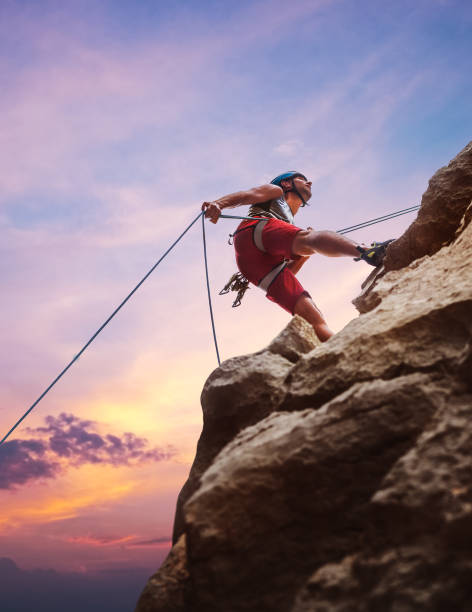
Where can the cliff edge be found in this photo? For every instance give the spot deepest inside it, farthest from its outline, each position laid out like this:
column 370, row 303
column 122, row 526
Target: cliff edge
column 338, row 477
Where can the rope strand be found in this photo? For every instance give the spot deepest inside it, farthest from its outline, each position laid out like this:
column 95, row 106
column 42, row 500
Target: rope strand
column 208, row 290
column 386, row 217
column 100, row 329
column 351, row 228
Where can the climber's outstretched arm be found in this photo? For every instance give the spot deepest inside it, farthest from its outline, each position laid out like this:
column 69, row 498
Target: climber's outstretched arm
column 263, row 193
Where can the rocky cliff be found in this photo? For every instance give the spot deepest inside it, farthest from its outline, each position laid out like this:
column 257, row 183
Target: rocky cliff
column 338, row 477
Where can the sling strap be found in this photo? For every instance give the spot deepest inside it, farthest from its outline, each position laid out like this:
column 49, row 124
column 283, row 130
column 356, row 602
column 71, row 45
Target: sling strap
column 257, row 234
column 269, row 278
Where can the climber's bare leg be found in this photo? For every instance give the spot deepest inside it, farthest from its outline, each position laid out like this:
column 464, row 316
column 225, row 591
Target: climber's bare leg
column 306, row 308
column 331, row 244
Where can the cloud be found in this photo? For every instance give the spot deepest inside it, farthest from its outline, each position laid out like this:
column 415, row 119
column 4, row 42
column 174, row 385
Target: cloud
column 25, row 460
column 67, row 441
column 152, row 542
column 128, row 541
column 99, row 541
column 76, row 440
column 288, row 148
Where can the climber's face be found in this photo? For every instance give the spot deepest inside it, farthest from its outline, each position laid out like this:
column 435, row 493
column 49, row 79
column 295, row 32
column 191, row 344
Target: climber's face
column 303, row 186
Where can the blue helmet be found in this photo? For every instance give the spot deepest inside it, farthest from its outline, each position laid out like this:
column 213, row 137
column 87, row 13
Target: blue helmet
column 286, row 175
column 291, row 174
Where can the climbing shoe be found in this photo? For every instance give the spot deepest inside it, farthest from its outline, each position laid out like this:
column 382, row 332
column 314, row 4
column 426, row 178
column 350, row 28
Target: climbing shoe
column 373, row 255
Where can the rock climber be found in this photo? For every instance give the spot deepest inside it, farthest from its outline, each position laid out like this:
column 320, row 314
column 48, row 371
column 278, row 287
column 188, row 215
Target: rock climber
column 270, row 251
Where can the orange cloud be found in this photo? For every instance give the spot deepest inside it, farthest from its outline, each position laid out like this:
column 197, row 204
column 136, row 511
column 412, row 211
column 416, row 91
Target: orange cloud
column 57, row 507
column 100, row 541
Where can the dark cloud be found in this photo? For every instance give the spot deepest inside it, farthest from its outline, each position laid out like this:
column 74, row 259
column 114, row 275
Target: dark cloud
column 24, row 460
column 67, row 441
column 153, row 542
column 46, row 590
column 78, row 441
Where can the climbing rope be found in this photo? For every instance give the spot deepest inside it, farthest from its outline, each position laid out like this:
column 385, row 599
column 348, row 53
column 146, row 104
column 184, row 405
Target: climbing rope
column 208, row 290
column 351, row 228
column 101, row 328
column 398, row 213
column 345, row 230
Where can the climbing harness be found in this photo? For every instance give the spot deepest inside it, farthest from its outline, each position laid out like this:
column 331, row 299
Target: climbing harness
column 267, row 280
column 237, row 283
column 241, row 229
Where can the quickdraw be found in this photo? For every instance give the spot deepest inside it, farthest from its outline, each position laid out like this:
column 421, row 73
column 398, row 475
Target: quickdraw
column 238, row 282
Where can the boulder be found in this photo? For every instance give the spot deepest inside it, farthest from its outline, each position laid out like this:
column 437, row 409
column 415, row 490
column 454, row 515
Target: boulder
column 292, row 492
column 241, row 392
column 445, row 207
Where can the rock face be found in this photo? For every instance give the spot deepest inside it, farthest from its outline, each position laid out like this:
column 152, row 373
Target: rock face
column 338, row 477
column 243, row 391
column 167, row 590
column 441, row 218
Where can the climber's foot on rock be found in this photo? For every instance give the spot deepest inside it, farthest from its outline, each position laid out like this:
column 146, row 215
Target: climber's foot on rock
column 373, row 255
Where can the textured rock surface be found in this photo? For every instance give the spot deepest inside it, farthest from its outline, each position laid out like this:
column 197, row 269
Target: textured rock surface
column 167, row 589
column 338, row 477
column 443, row 205
column 292, row 492
column 241, row 392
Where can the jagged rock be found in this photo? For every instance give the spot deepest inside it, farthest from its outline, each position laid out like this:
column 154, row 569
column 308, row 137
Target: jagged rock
column 421, row 520
column 167, row 589
column 432, row 483
column 297, row 339
column 405, row 579
column 291, row 492
column 443, row 205
column 241, row 392
column 338, row 477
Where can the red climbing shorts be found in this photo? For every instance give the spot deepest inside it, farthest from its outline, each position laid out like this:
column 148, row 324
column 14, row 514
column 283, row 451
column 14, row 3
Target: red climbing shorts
column 277, row 240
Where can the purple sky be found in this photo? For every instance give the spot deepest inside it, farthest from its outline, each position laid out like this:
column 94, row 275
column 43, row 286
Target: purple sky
column 117, row 120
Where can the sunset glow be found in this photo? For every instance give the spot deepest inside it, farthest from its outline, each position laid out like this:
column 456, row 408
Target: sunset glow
column 118, row 120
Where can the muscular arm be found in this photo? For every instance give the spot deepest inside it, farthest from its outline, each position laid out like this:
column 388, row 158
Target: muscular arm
column 241, row 198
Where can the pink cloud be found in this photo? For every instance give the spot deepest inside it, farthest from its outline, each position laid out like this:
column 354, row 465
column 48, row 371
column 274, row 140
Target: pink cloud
column 90, row 540
column 68, row 441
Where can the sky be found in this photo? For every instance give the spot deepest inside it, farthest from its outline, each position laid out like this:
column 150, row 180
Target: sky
column 117, row 120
